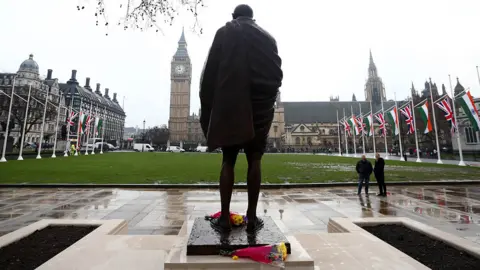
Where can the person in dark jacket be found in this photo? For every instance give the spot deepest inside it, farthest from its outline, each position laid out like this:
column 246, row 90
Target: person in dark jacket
column 238, row 90
column 364, row 169
column 380, row 175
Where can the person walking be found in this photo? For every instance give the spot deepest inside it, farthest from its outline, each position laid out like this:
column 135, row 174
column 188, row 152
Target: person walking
column 379, row 175
column 364, row 169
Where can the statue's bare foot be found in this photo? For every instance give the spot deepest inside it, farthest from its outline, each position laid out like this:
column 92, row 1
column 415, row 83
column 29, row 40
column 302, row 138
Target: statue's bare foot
column 254, row 225
column 221, row 224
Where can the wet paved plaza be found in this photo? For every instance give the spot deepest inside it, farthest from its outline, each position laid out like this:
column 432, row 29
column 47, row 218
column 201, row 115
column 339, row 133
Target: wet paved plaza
column 452, row 209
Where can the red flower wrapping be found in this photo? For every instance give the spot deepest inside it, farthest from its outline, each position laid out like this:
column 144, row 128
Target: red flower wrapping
column 274, row 255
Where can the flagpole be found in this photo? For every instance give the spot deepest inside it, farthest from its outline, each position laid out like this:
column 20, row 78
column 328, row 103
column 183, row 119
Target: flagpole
column 339, row 143
column 457, row 130
column 399, row 131
column 372, row 128
column 363, row 137
column 22, row 141
column 103, row 128
column 77, row 147
column 3, row 159
column 69, row 113
column 354, row 135
column 346, row 138
column 384, row 130
column 94, row 130
column 56, row 127
column 43, row 126
column 87, row 128
column 478, row 132
column 415, row 130
column 439, row 161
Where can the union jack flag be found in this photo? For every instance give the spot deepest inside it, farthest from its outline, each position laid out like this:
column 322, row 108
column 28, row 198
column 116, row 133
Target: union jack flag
column 360, row 124
column 346, row 127
column 381, row 121
column 407, row 112
column 70, row 118
column 444, row 105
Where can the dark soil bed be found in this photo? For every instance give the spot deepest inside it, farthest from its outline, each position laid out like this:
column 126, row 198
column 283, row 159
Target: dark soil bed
column 40, row 246
column 428, row 251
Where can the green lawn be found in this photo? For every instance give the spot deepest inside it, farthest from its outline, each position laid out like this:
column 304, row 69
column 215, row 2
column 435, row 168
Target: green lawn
column 204, row 168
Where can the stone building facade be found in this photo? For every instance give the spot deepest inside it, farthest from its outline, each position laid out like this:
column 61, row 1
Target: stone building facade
column 184, row 127
column 28, row 74
column 88, row 100
column 314, row 124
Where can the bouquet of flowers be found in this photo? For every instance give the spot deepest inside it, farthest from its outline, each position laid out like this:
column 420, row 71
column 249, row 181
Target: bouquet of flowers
column 274, row 255
column 235, row 218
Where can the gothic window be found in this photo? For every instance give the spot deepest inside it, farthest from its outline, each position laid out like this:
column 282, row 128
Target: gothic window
column 297, row 140
column 471, row 135
column 302, row 128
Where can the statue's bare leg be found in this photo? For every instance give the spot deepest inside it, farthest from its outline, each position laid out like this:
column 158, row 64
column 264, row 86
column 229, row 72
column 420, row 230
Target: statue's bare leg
column 254, row 178
column 227, row 179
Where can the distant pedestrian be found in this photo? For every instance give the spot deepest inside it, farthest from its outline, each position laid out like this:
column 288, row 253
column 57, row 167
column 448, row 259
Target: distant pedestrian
column 380, row 175
column 364, row 169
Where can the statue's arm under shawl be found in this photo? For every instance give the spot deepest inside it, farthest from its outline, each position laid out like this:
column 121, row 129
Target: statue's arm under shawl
column 208, row 80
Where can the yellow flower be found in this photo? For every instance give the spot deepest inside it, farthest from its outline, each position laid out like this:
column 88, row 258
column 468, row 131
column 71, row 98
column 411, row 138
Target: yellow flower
column 237, row 220
column 235, row 257
column 282, row 248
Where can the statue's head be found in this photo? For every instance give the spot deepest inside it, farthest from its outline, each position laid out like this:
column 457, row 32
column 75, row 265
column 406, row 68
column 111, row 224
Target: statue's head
column 243, row 11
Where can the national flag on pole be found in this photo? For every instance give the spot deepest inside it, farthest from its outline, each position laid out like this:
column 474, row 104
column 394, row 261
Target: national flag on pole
column 426, row 117
column 381, row 121
column 70, row 118
column 352, row 122
column 392, row 115
column 98, row 126
column 444, row 105
column 88, row 123
column 466, row 100
column 346, row 127
column 407, row 112
column 85, row 122
column 360, row 124
column 81, row 118
column 368, row 125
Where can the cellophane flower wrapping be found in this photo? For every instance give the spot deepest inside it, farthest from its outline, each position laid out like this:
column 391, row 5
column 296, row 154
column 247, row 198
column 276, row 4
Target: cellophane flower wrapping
column 274, row 255
column 235, row 218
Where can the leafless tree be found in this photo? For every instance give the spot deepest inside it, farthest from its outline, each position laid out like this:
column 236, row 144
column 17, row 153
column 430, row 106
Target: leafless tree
column 146, row 14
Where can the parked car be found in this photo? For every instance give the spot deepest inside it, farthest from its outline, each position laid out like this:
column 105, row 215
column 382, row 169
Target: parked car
column 201, row 149
column 175, row 149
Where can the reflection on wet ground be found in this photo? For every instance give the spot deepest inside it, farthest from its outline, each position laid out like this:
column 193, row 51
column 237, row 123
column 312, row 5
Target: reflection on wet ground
column 452, row 209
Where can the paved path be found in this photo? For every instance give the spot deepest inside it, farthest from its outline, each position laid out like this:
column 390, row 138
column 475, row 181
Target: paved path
column 451, row 209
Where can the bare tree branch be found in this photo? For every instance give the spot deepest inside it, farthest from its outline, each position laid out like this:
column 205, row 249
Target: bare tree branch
column 148, row 14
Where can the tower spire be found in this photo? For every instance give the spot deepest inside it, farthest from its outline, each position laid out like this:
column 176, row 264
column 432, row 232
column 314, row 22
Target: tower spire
column 182, row 51
column 182, row 37
column 372, row 69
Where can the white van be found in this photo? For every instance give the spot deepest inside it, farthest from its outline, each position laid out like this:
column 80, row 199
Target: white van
column 175, row 149
column 202, row 149
column 143, row 147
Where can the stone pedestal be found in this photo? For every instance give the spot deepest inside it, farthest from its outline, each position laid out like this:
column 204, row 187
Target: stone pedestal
column 204, row 240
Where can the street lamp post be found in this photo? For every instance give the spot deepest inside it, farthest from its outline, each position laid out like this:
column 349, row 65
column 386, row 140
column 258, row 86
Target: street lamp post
column 143, row 137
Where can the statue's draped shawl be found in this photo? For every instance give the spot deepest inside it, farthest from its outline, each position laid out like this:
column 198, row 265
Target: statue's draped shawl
column 239, row 84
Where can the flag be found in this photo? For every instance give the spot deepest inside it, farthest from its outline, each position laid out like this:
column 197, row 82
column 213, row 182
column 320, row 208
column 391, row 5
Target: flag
column 407, row 112
column 470, row 110
column 70, row 118
column 368, row 125
column 392, row 115
column 346, row 127
column 88, row 123
column 444, row 105
column 360, row 124
column 426, row 117
column 81, row 119
column 98, row 126
column 381, row 121
column 85, row 121
column 352, row 122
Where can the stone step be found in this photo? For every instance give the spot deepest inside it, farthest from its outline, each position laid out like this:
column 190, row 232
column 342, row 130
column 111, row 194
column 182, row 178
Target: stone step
column 178, row 259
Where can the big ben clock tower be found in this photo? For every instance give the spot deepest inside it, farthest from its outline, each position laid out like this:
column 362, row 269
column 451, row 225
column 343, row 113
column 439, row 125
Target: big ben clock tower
column 181, row 77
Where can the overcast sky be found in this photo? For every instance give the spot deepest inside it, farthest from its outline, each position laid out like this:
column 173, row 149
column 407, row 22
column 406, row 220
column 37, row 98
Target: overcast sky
column 324, row 46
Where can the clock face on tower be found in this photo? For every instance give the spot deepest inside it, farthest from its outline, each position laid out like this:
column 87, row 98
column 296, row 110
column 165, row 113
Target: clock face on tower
column 180, row 69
